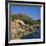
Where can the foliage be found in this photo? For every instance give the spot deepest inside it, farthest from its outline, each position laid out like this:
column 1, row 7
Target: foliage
column 26, row 19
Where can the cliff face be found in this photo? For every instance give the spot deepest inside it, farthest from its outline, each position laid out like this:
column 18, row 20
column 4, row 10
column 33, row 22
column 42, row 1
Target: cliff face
column 19, row 29
column 22, row 25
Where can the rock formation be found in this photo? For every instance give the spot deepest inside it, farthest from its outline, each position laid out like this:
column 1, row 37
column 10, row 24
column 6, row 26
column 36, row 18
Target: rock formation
column 19, row 29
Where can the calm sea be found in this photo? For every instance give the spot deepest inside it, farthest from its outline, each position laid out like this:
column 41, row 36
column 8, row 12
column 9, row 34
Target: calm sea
column 33, row 35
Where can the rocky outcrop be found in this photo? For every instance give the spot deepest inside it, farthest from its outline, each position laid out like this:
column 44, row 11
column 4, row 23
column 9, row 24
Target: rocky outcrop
column 20, row 29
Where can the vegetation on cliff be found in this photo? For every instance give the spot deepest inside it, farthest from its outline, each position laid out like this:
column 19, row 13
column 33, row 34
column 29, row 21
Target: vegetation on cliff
column 26, row 19
column 28, row 28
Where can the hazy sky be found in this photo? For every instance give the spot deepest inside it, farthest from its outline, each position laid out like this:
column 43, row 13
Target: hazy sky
column 31, row 11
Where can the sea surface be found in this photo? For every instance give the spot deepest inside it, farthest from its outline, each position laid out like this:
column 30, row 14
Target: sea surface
column 34, row 35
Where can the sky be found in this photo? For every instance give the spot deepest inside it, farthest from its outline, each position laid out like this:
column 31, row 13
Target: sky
column 31, row 11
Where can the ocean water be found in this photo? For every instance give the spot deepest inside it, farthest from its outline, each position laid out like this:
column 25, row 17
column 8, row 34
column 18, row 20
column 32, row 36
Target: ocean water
column 34, row 35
